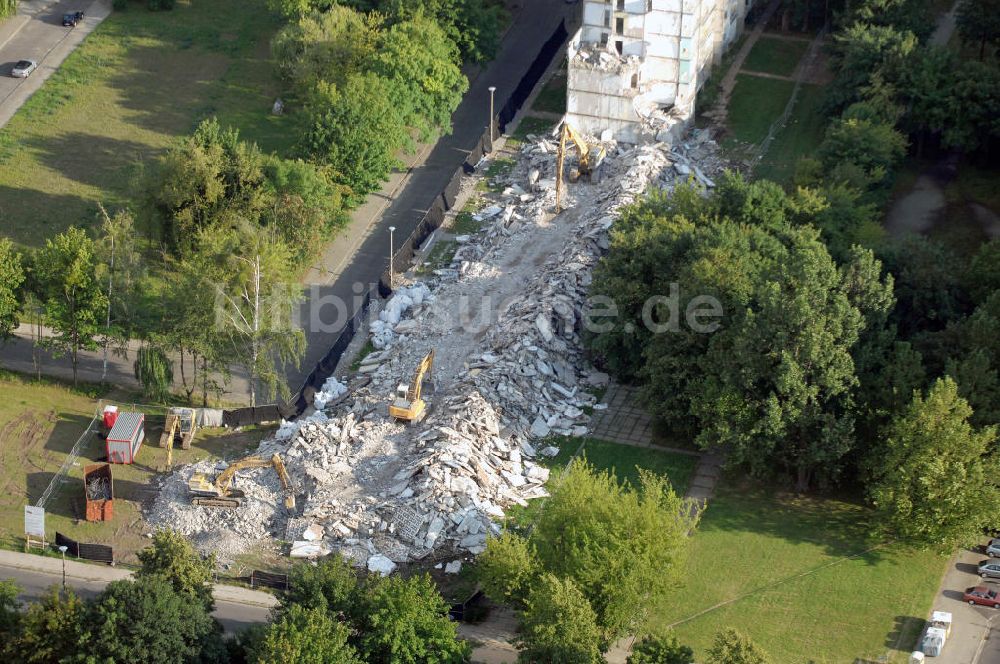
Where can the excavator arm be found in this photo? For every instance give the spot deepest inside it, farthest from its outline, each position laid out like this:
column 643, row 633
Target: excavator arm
column 408, row 404
column 221, row 493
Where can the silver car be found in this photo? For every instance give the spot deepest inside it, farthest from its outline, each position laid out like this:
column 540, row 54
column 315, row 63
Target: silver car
column 993, row 548
column 989, row 569
column 23, row 68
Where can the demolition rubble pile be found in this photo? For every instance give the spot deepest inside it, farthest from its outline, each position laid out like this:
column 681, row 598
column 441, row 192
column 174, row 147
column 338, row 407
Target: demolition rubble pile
column 98, row 488
column 382, row 492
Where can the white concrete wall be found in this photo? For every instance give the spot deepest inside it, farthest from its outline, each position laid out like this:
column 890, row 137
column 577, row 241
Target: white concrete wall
column 677, row 42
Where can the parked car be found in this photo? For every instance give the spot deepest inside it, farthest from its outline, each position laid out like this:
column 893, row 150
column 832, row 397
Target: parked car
column 993, row 547
column 982, row 595
column 989, row 569
column 70, row 20
column 23, row 68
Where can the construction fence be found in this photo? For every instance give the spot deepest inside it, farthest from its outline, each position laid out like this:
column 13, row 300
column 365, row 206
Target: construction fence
column 99, row 552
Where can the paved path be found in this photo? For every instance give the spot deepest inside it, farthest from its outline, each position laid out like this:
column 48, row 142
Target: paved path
column 974, row 639
column 36, row 33
column 235, row 607
column 15, row 355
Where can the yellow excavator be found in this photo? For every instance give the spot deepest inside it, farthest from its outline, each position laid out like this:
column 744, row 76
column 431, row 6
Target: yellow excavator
column 221, row 493
column 408, row 405
column 589, row 159
column 179, row 423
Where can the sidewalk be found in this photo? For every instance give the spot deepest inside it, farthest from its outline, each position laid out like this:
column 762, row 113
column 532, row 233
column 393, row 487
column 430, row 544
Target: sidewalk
column 104, row 574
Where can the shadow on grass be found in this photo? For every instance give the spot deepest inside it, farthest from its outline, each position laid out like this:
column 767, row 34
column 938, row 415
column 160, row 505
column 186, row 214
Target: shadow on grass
column 905, row 632
column 840, row 527
column 29, row 216
column 89, row 158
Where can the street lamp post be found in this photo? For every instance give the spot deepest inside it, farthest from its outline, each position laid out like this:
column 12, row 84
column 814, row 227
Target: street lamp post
column 392, row 285
column 493, row 89
column 62, row 550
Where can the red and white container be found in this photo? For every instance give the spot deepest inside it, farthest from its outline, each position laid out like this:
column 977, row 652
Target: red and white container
column 126, row 436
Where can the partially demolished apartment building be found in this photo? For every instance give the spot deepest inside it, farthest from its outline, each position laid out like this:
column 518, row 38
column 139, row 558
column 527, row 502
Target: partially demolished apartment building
column 636, row 65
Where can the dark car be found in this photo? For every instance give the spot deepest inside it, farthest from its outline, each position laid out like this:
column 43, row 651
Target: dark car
column 982, row 595
column 70, row 20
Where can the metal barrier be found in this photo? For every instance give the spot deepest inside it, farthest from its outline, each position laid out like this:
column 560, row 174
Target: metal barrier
column 268, row 580
column 99, row 552
column 534, row 74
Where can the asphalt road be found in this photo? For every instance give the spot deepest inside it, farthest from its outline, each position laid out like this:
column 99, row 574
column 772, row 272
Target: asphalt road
column 975, row 632
column 234, row 616
column 36, row 33
column 532, row 27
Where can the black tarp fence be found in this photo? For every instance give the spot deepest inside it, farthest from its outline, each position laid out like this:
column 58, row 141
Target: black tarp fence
column 268, row 580
column 402, row 257
column 534, row 74
column 99, row 552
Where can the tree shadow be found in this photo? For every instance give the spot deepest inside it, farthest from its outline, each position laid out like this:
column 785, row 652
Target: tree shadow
column 905, row 633
column 89, row 158
column 840, row 526
column 29, row 216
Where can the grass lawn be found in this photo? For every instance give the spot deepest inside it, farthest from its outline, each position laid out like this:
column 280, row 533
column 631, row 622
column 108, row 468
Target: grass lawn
column 799, row 138
column 552, row 98
column 750, row 540
column 38, row 428
column 529, row 125
column 619, row 459
column 137, row 83
column 775, row 56
column 755, row 104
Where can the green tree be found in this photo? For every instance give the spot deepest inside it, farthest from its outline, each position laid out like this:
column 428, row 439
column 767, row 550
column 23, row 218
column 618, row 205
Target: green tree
column 507, row 569
column 172, row 558
column 52, row 629
column 421, row 67
column 928, row 88
column 928, row 284
column 866, row 146
column 978, row 21
column 305, row 636
column 474, row 25
column 935, row 483
column 209, row 178
column 623, row 546
column 11, row 295
column 256, row 299
column 306, row 208
column 975, row 107
column 74, row 302
column 355, row 130
column 10, row 616
column 734, row 647
column 558, row 625
column 982, row 278
column 660, row 649
column 145, row 620
column 405, row 621
column 119, row 272
column 329, row 585
column 155, row 372
column 861, row 52
column 325, row 48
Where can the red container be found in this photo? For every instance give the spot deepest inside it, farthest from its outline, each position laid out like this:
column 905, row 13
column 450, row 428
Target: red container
column 110, row 415
column 100, row 499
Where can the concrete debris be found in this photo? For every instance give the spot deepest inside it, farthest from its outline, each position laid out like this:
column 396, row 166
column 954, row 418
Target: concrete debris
column 98, row 488
column 504, row 319
column 381, row 564
column 331, row 390
column 454, row 567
